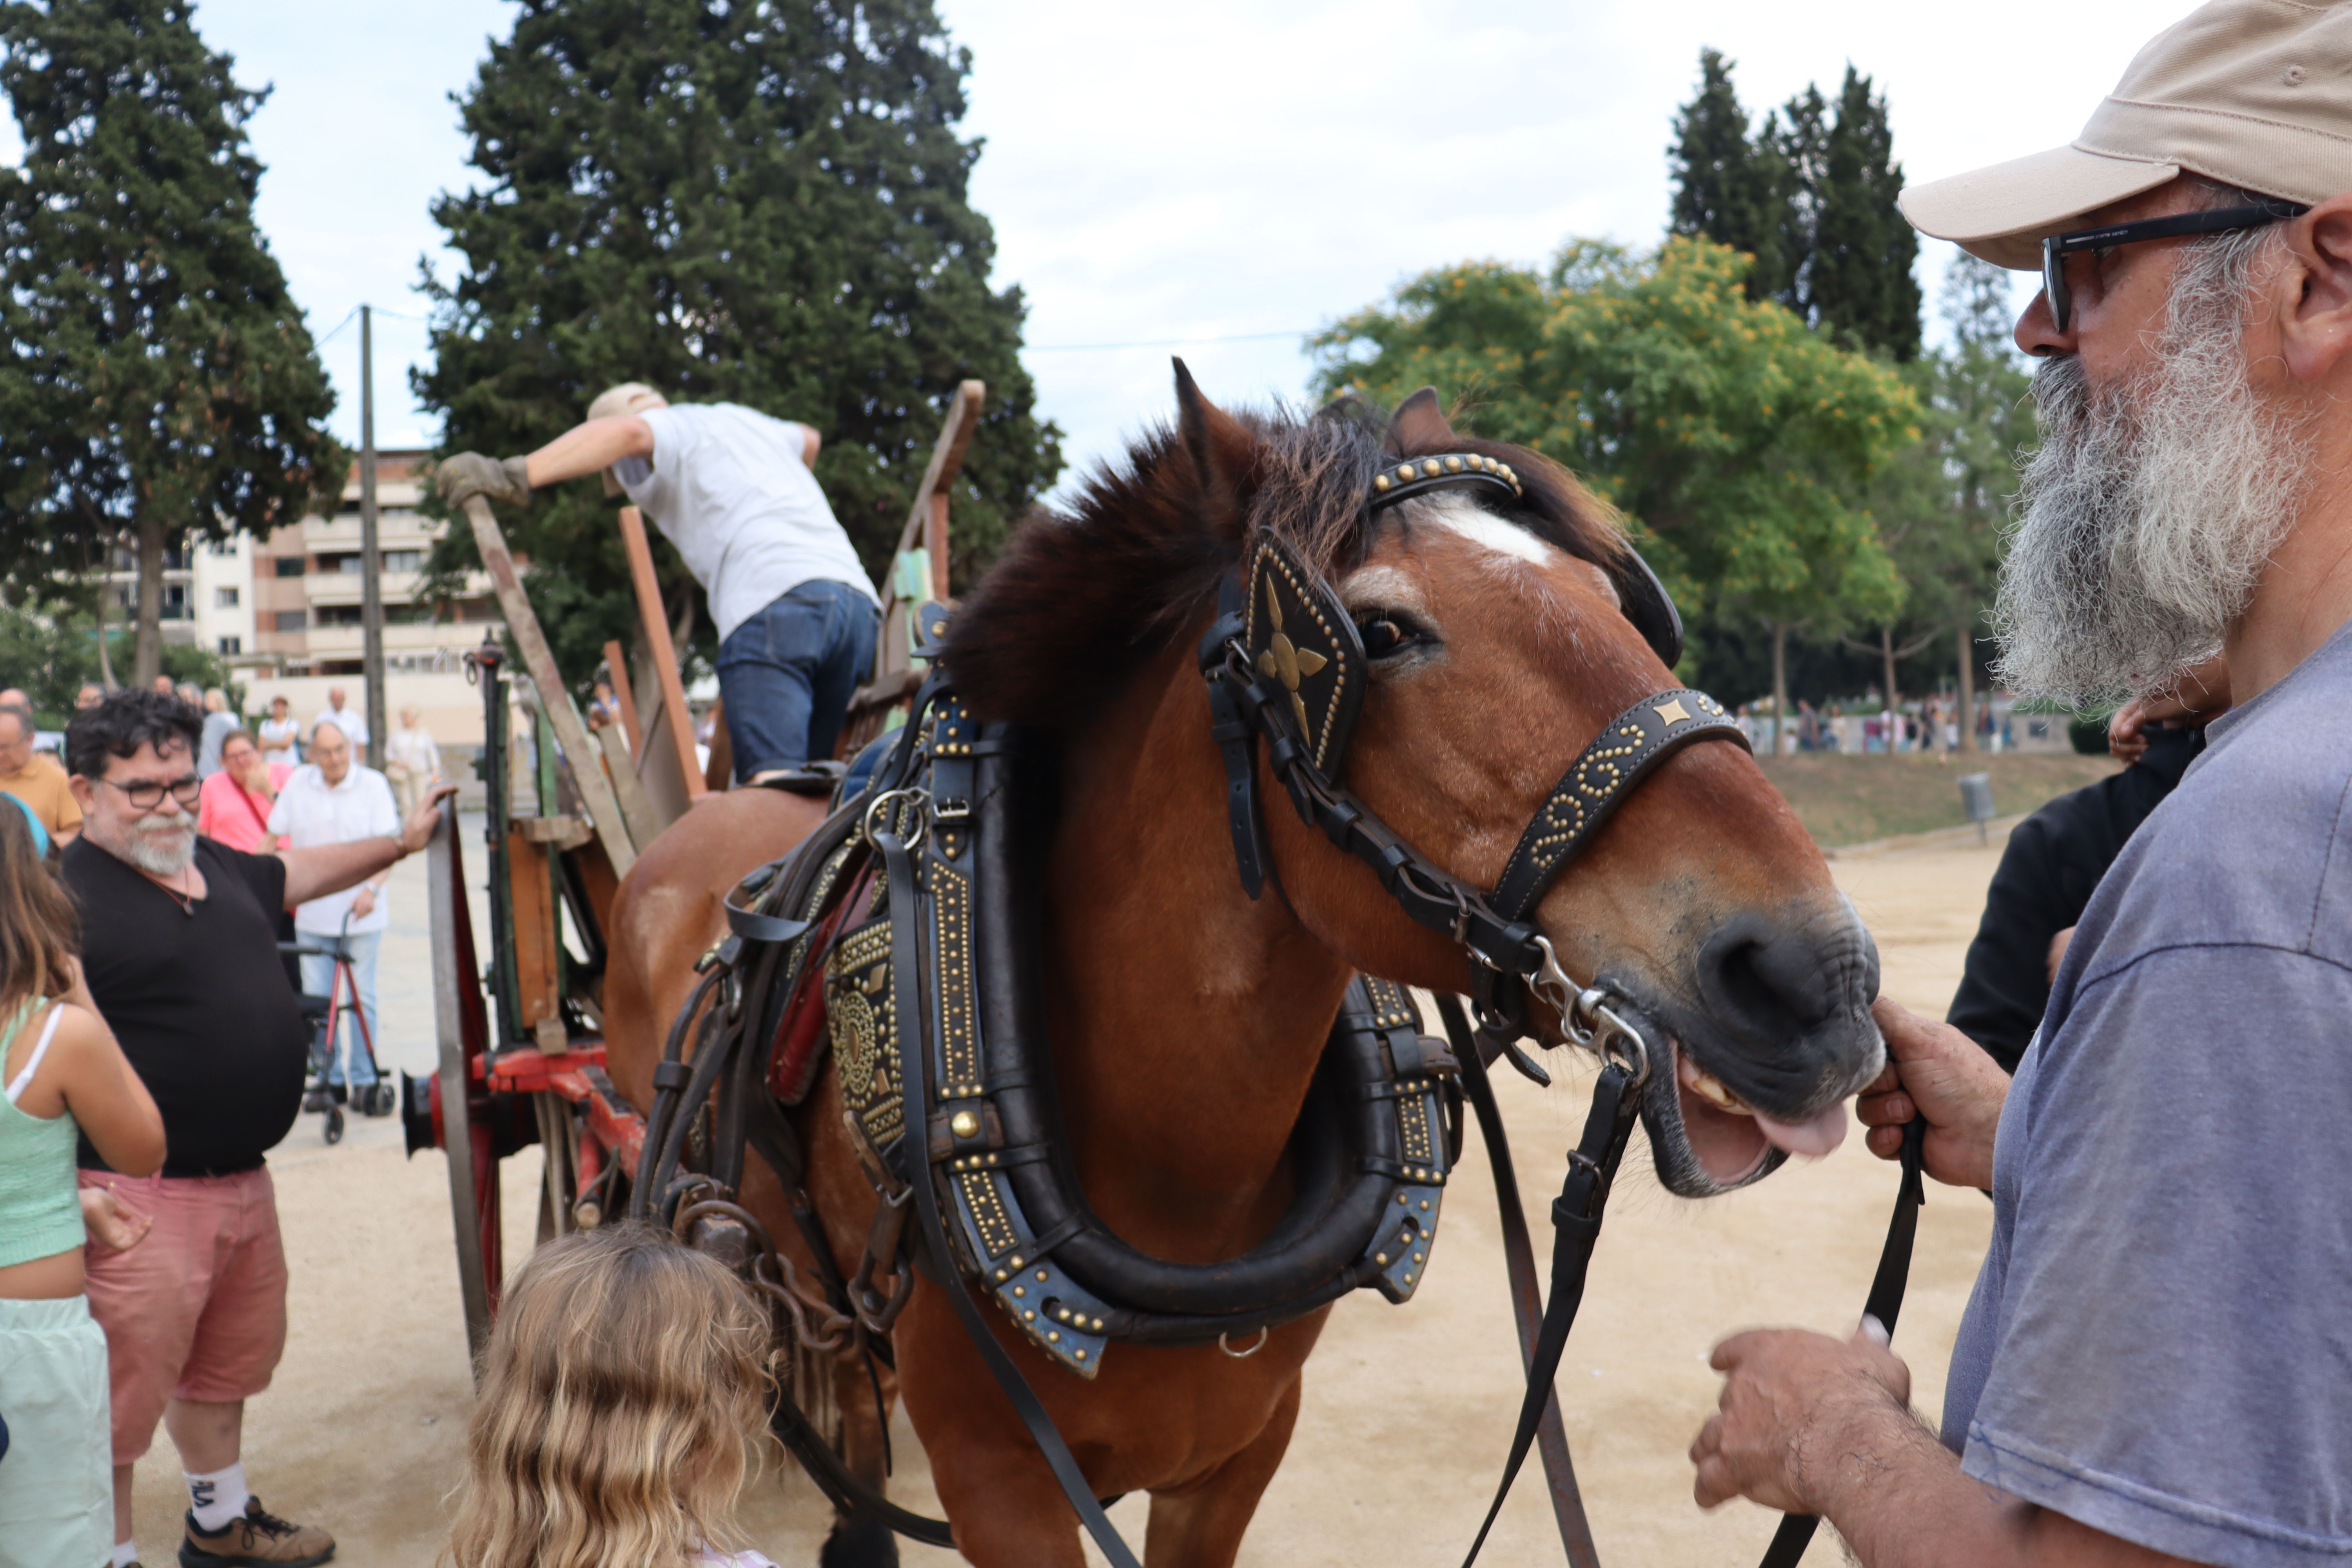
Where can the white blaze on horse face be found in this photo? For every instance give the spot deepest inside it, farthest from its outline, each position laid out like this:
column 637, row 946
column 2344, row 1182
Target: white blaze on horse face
column 1459, row 512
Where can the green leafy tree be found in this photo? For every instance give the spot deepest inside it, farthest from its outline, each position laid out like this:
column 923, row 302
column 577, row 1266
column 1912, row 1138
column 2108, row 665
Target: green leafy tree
column 156, row 381
column 1735, row 440
column 1941, row 504
column 757, row 203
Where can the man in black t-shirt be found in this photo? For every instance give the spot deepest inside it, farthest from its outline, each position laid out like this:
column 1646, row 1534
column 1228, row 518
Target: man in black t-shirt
column 180, row 946
column 2056, row 856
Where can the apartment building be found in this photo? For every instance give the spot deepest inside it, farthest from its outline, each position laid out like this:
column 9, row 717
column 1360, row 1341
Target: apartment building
column 207, row 595
column 305, row 587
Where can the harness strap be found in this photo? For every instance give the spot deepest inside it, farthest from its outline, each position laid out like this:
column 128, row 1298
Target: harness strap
column 1616, row 760
column 906, row 943
column 1575, row 1225
column 1526, row 1299
column 1885, row 1303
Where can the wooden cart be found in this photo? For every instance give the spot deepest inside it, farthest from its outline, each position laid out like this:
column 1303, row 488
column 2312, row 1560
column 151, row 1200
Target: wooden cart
column 569, row 809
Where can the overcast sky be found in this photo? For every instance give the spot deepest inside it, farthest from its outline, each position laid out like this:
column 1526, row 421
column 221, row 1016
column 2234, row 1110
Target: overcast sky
column 1226, row 170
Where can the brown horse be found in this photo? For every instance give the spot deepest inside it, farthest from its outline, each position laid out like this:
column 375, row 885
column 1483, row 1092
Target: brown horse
column 1186, row 1019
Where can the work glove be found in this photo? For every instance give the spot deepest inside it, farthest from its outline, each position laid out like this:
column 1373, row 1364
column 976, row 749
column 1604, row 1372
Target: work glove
column 469, row 473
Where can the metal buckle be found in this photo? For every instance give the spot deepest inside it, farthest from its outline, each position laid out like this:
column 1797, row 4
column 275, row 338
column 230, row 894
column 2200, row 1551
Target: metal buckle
column 1587, row 1019
column 919, row 798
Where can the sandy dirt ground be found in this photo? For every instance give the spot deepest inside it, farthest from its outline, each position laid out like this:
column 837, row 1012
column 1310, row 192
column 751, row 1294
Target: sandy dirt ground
column 1408, row 1410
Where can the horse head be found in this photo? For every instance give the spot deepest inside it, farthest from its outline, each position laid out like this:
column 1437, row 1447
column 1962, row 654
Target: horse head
column 1500, row 634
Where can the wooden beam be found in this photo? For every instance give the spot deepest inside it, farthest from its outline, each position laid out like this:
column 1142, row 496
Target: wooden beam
column 617, row 664
column 554, row 701
column 657, row 641
column 947, row 460
column 927, row 525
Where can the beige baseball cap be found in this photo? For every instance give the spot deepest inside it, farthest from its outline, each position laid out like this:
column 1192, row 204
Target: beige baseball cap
column 2256, row 93
column 628, row 397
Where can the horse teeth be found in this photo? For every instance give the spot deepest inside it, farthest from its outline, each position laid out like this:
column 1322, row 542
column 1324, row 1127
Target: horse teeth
column 1710, row 1088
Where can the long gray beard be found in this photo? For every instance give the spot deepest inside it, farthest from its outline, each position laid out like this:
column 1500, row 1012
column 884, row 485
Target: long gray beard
column 162, row 846
column 2147, row 517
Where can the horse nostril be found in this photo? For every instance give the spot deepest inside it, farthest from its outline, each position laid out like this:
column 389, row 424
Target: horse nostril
column 1769, row 985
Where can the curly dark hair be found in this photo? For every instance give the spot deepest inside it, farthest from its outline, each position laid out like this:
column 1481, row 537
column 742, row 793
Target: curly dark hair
column 129, row 719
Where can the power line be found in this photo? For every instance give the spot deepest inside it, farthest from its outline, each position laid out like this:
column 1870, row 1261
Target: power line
column 339, row 326
column 1156, row 343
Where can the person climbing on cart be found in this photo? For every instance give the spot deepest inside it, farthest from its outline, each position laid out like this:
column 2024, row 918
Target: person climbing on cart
column 732, row 487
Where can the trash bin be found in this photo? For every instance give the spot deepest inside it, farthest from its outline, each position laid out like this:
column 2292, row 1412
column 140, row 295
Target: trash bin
column 1975, row 799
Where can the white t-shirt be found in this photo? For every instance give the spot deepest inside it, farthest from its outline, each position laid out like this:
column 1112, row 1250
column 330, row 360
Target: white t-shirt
column 351, row 722
column 727, row 485
column 277, row 738
column 310, row 813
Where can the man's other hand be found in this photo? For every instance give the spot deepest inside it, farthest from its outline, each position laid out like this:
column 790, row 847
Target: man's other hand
column 2201, row 694
column 1791, row 1400
column 417, row 831
column 1933, row 1071
column 363, row 901
column 469, row 473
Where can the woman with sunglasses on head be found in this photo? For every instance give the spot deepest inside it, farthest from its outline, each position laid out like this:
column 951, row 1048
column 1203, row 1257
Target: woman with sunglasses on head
column 64, row 1078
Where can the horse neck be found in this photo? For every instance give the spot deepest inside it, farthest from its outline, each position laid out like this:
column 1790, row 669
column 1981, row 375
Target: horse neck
column 1186, row 1019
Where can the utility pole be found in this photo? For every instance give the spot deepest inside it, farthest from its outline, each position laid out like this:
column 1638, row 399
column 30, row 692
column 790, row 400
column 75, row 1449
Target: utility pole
column 371, row 556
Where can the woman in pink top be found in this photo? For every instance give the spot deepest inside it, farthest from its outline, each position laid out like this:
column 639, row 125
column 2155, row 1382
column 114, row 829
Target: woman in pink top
column 234, row 806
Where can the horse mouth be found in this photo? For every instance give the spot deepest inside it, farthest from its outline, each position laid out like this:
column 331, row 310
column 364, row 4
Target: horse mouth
column 1707, row 1140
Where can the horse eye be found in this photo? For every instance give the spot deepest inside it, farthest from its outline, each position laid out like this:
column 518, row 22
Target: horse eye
column 1385, row 635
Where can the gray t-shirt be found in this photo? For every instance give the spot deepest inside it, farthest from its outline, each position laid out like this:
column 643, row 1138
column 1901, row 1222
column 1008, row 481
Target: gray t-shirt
column 2161, row 1342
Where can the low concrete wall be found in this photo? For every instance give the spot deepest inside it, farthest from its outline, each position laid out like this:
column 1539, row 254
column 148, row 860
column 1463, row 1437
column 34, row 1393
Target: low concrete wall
column 449, row 707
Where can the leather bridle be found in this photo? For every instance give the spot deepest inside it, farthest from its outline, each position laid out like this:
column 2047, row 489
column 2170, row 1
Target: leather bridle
column 1285, row 664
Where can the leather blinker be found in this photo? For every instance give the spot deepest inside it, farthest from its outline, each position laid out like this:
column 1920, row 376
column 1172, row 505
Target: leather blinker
column 1295, row 631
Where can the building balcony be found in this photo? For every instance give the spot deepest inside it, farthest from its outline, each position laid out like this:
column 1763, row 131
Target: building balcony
column 346, row 642
column 399, row 587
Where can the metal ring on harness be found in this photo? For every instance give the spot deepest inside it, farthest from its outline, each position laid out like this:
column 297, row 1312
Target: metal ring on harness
column 1243, row 1355
column 921, row 799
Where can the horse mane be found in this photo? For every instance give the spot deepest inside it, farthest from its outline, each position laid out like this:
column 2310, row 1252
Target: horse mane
column 1084, row 596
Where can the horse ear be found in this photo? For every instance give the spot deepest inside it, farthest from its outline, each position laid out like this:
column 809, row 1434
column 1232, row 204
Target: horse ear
column 1223, row 454
column 1420, row 423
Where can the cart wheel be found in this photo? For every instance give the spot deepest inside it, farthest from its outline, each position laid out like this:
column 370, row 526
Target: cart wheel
column 334, row 1124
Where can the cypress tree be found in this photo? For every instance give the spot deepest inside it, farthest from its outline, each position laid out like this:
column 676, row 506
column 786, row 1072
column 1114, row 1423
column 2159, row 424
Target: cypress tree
column 1728, row 188
column 156, row 378
column 763, row 203
column 1796, row 139
column 1859, row 283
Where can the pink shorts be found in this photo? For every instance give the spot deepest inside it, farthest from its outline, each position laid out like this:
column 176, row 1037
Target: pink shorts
column 197, row 1308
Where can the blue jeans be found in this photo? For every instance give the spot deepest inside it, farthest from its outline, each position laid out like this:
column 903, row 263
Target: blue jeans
column 318, row 975
column 786, row 674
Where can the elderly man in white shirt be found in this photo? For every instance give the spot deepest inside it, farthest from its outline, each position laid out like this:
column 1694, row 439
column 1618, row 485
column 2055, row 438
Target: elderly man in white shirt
column 797, row 617
column 333, row 800
column 351, row 722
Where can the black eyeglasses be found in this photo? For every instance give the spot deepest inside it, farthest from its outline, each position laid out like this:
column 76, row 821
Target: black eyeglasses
column 2220, row 220
column 147, row 794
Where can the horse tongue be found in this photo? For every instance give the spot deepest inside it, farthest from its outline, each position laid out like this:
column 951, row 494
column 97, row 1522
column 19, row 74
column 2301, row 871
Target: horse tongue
column 1812, row 1137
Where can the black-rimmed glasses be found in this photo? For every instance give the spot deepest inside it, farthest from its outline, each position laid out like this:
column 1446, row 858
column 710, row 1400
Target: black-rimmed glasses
column 147, row 794
column 2218, row 220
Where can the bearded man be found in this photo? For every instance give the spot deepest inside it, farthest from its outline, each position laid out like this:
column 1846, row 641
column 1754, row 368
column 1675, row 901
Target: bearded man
column 180, row 948
column 2153, row 1367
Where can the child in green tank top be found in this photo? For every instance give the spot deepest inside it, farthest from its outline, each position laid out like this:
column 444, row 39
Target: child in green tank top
column 62, row 1075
